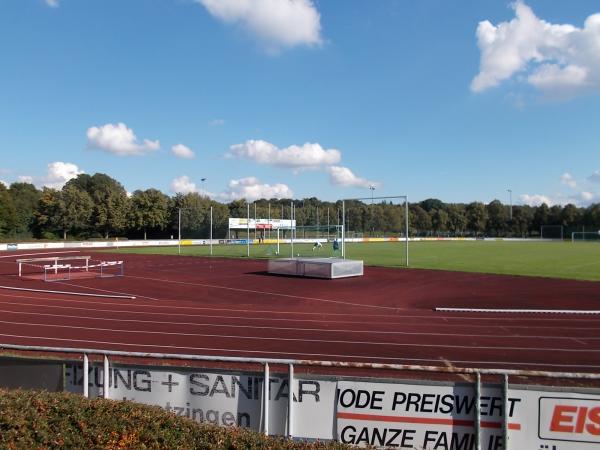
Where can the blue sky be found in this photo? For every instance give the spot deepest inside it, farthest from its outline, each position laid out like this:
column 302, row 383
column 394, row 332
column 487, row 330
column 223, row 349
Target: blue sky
column 454, row 100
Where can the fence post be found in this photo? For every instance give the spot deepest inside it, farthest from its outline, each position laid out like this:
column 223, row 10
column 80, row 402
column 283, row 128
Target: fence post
column 505, row 413
column 478, row 412
column 266, row 400
column 86, row 381
column 291, row 402
column 106, row 377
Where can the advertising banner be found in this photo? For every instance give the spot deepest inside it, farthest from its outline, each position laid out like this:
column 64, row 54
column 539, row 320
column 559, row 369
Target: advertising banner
column 222, row 398
column 443, row 417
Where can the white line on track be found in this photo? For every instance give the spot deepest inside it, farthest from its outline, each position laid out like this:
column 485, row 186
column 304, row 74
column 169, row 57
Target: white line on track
column 590, row 319
column 401, row 321
column 303, row 340
column 303, row 355
column 579, row 339
column 84, row 294
column 40, row 253
column 521, row 311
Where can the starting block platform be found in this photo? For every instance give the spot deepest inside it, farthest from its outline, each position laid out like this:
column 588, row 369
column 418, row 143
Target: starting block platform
column 330, row 268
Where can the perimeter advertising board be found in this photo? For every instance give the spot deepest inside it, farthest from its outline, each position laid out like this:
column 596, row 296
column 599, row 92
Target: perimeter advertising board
column 400, row 415
column 261, row 224
column 232, row 398
column 442, row 417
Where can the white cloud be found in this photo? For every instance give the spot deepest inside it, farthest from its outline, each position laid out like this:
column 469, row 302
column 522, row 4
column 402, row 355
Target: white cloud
column 567, row 179
column 297, row 157
column 183, row 185
column 52, row 3
column 595, row 177
column 536, row 200
column 4, row 183
column 582, row 198
column 59, row 173
column 119, row 139
column 216, row 122
column 343, row 176
column 251, row 189
column 558, row 59
column 587, row 196
column 182, row 151
column 277, row 23
column 25, row 179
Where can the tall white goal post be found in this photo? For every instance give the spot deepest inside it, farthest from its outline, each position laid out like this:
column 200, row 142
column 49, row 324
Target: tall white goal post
column 404, row 197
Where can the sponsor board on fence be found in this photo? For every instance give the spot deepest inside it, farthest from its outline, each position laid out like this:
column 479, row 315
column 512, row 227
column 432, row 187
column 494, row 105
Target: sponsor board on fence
column 400, row 415
column 221, row 398
column 443, row 417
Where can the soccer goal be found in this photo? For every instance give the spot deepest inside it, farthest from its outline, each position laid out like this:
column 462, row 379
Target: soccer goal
column 381, row 220
column 585, row 236
column 552, row 232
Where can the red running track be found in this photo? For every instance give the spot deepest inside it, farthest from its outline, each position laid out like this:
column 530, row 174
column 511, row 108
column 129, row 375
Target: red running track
column 231, row 307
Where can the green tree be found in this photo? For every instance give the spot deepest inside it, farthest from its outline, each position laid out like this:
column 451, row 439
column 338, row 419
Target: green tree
column 457, row 219
column 110, row 201
column 476, row 217
column 149, row 209
column 66, row 210
column 420, row 221
column 440, row 220
column 8, row 213
column 25, row 198
column 497, row 218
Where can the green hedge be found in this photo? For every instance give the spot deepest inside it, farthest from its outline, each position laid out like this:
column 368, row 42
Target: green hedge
column 42, row 420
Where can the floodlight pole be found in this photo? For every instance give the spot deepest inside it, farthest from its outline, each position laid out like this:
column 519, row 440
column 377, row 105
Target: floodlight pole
column 248, row 230
column 406, row 226
column 211, row 227
column 344, row 229
column 292, row 226
column 510, row 201
column 179, row 234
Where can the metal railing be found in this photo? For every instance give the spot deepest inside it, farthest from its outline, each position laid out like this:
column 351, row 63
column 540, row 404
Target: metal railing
column 291, row 363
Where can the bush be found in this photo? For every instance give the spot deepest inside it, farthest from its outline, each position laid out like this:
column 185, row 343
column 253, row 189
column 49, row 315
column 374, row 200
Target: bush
column 36, row 420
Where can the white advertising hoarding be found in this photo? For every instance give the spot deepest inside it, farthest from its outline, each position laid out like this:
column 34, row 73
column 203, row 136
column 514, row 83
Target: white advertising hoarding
column 443, row 417
column 222, row 398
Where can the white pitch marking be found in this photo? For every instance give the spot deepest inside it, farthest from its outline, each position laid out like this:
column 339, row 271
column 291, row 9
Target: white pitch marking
column 581, row 340
column 85, row 294
column 241, row 351
column 521, row 311
column 320, row 341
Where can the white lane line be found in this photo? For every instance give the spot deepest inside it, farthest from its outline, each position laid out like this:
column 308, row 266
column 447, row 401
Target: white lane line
column 303, row 340
column 84, row 294
column 579, row 339
column 282, row 354
column 41, row 253
column 275, row 294
column 522, row 311
column 261, row 313
column 82, row 286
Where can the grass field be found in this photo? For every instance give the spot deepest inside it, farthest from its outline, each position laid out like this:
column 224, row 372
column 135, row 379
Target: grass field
column 579, row 261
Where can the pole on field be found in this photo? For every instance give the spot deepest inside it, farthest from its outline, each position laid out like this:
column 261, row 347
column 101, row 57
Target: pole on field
column 406, row 226
column 248, row 230
column 344, row 229
column 179, row 233
column 211, row 227
column 292, row 226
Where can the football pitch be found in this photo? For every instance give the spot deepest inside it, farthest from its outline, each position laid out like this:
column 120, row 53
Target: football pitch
column 578, row 261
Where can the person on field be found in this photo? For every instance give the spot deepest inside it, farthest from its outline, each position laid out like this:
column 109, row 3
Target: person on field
column 336, row 245
column 317, row 246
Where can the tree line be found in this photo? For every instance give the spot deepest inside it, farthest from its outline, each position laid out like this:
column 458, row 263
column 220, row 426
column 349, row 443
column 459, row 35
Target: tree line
column 97, row 206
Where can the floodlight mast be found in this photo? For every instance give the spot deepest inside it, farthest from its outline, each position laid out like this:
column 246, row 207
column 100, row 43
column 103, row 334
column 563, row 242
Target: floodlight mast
column 405, row 197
